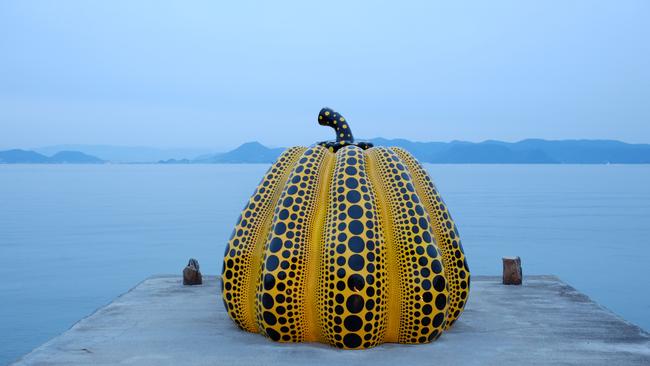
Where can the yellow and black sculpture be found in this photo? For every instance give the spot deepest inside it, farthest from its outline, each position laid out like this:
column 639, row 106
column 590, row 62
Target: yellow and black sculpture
column 347, row 244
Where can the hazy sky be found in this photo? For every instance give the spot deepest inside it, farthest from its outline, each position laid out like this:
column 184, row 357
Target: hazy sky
column 215, row 74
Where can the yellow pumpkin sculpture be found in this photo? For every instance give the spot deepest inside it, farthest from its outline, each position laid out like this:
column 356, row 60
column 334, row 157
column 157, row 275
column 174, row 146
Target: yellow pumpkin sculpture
column 346, row 244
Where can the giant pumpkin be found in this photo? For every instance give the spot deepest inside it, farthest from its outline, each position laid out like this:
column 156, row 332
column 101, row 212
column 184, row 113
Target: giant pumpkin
column 346, row 244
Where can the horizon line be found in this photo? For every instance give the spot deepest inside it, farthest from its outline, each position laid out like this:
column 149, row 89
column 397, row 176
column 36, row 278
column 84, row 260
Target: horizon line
column 284, row 146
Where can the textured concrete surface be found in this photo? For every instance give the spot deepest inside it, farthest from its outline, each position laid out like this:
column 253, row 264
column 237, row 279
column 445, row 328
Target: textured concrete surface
column 160, row 322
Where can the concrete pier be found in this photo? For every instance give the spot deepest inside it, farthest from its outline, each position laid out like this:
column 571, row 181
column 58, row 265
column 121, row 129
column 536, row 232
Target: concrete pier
column 161, row 322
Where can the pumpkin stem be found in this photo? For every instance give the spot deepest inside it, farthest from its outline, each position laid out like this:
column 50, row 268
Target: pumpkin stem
column 328, row 117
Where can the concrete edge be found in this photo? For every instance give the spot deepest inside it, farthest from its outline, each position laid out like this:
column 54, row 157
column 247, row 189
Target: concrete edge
column 99, row 308
column 565, row 285
column 575, row 292
column 599, row 305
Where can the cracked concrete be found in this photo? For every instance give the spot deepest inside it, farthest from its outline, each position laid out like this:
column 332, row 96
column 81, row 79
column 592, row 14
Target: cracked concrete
column 161, row 322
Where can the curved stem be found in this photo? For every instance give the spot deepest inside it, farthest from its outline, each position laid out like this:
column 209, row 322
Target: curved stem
column 328, row 117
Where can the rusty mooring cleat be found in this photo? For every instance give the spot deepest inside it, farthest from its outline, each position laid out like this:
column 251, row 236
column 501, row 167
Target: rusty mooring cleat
column 191, row 273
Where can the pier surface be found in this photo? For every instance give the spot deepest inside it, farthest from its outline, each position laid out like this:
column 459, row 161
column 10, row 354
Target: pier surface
column 161, row 322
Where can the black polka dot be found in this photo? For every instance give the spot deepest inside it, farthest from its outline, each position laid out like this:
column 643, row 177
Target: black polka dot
column 441, row 301
column 436, row 266
column 340, row 285
column 269, row 281
column 426, row 284
column 431, row 251
column 356, row 244
column 352, row 340
column 352, row 323
column 353, row 196
column 439, row 283
column 370, row 304
column 433, row 335
column 272, row 263
column 280, row 228
column 356, row 227
column 427, row 297
column 356, row 262
column 267, row 301
column 354, row 304
column 423, row 223
column 269, row 318
column 275, row 245
column 273, row 334
column 355, row 211
column 356, row 282
column 351, row 183
column 287, row 202
column 438, row 319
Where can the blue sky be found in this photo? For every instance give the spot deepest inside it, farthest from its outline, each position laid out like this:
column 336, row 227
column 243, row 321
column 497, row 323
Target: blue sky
column 215, row 74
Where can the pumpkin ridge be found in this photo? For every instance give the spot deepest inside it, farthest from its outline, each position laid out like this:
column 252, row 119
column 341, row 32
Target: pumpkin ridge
column 353, row 272
column 313, row 324
column 446, row 233
column 240, row 267
column 393, row 280
column 281, row 292
column 256, row 278
column 382, row 173
column 423, row 305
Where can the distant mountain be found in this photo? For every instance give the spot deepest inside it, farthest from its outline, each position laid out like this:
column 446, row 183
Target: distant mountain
column 250, row 152
column 74, row 157
column 587, row 151
column 531, row 151
column 424, row 151
column 127, row 154
column 459, row 153
column 18, row 156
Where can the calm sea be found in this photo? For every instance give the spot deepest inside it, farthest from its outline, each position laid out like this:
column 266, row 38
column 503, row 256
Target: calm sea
column 74, row 237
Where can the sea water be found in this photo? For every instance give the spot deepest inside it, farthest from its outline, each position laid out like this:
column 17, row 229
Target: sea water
column 73, row 237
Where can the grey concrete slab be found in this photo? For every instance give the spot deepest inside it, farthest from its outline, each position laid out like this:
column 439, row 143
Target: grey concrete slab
column 161, row 322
